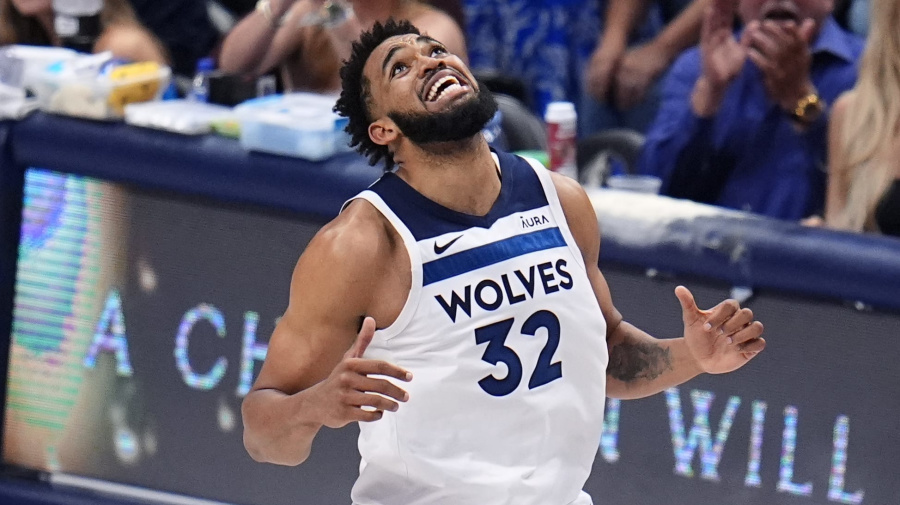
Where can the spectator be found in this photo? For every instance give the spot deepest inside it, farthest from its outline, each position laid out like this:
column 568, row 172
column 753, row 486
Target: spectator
column 743, row 121
column 622, row 81
column 564, row 50
column 31, row 22
column 864, row 135
column 309, row 56
column 183, row 26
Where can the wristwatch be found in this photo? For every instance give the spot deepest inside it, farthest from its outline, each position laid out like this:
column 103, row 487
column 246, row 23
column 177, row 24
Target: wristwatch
column 808, row 109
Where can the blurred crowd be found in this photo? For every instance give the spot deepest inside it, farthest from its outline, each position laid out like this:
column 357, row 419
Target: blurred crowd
column 785, row 108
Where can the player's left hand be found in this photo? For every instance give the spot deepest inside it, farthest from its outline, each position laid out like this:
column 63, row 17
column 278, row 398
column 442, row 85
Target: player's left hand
column 723, row 338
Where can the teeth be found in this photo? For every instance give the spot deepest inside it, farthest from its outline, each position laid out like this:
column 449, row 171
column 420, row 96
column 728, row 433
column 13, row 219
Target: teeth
column 432, row 93
column 447, row 89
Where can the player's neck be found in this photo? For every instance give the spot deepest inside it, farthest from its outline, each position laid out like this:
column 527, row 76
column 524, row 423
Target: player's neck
column 461, row 175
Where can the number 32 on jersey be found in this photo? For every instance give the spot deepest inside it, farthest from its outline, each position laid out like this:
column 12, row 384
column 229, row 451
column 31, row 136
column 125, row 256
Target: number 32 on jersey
column 494, row 335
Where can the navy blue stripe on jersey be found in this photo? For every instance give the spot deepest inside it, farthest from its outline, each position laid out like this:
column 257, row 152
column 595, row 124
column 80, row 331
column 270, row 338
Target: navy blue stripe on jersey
column 490, row 254
column 520, row 191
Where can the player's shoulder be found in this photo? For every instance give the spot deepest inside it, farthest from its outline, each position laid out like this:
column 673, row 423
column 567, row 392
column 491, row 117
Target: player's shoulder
column 360, row 237
column 579, row 213
column 571, row 194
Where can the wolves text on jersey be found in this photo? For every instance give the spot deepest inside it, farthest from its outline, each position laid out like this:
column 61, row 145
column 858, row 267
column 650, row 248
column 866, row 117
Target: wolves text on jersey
column 511, row 288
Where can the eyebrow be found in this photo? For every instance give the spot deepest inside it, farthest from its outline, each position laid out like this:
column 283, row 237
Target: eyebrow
column 397, row 47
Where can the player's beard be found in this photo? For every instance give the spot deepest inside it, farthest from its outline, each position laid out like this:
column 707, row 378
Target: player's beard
column 460, row 122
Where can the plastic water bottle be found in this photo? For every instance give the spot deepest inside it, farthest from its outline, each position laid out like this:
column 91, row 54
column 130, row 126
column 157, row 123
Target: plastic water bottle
column 561, row 120
column 77, row 23
column 200, row 85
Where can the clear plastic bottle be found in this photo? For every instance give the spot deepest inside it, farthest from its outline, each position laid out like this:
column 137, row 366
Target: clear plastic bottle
column 200, row 85
column 562, row 120
column 77, row 23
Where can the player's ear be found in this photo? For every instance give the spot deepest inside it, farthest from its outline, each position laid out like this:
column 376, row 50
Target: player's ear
column 383, row 131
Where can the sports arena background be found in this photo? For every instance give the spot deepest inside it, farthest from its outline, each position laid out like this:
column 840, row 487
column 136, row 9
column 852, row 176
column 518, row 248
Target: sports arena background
column 139, row 286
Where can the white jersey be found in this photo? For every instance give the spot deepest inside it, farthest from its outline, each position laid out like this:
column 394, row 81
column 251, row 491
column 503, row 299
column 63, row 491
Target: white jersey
column 506, row 343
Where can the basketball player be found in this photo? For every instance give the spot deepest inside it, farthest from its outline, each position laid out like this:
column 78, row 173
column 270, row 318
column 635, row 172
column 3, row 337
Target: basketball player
column 455, row 309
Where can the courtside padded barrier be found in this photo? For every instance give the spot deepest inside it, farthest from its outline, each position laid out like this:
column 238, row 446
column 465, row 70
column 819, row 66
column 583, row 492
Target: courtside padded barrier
column 641, row 230
column 746, row 250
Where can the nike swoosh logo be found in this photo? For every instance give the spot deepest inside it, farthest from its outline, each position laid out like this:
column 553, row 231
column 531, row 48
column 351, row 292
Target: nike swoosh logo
column 439, row 249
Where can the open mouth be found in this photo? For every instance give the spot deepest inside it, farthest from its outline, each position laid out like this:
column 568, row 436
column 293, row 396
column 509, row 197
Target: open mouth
column 442, row 84
column 781, row 14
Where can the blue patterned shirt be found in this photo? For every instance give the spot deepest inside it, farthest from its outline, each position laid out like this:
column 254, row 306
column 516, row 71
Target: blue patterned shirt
column 546, row 44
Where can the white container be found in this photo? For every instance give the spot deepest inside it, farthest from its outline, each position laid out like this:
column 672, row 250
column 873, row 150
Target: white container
column 88, row 87
column 296, row 124
column 179, row 116
column 22, row 66
column 74, row 92
column 562, row 121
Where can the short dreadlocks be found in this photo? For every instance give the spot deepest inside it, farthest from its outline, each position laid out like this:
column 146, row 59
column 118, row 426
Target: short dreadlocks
column 355, row 93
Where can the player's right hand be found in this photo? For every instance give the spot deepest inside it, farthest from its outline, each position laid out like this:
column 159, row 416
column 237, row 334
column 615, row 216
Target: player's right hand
column 351, row 394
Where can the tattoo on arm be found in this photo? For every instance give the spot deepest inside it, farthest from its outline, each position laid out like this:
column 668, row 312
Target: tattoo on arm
column 631, row 361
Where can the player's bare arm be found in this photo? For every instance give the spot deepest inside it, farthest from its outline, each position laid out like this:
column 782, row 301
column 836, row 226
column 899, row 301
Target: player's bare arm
column 314, row 374
column 718, row 340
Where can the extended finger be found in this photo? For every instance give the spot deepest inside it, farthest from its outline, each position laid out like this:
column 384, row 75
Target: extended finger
column 363, row 338
column 381, row 386
column 767, row 43
column 747, row 334
column 754, row 345
column 377, row 402
column 783, row 34
column 689, row 310
column 747, row 35
column 807, row 30
column 377, row 367
column 366, row 416
column 721, row 313
column 740, row 319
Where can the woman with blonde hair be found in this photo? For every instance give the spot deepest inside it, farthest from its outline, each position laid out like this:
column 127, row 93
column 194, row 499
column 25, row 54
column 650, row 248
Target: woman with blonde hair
column 31, row 22
column 864, row 135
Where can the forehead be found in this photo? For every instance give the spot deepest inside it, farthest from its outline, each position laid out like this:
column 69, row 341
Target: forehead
column 373, row 64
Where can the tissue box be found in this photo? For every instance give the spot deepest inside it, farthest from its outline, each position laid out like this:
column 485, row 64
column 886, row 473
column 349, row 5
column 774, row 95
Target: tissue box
column 296, row 124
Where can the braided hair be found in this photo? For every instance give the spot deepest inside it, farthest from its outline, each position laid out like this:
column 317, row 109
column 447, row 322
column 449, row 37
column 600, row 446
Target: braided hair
column 355, row 89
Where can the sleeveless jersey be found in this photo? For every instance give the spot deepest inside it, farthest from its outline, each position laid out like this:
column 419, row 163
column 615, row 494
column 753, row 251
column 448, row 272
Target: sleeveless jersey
column 506, row 343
